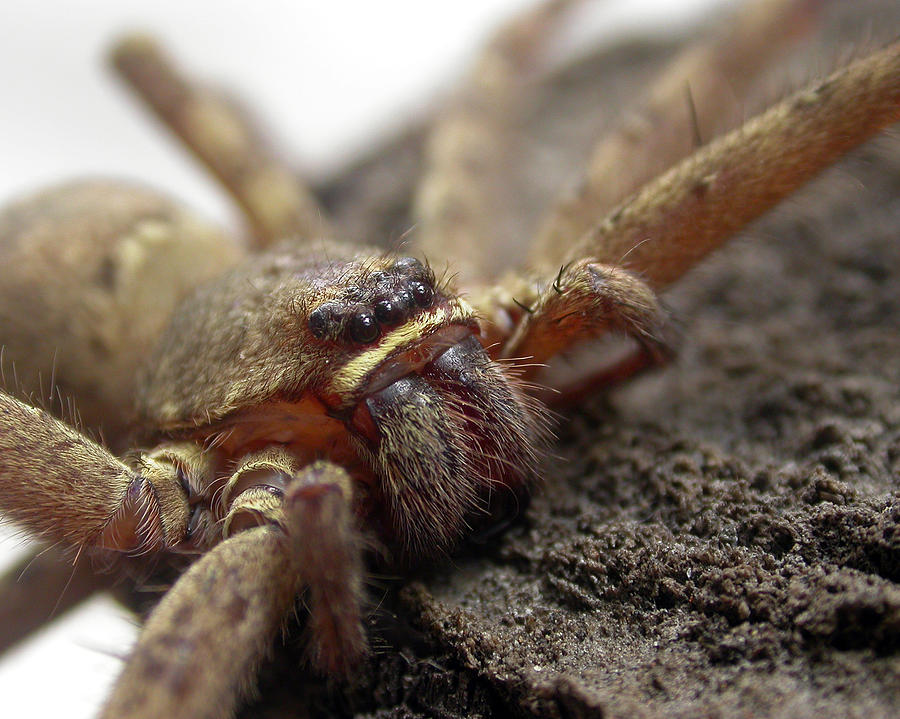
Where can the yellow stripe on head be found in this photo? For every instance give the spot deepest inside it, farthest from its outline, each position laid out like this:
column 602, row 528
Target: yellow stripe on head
column 352, row 376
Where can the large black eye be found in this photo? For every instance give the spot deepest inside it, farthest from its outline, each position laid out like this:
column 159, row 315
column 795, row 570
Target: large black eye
column 404, row 301
column 422, row 293
column 320, row 321
column 408, row 265
column 387, row 312
column 363, row 328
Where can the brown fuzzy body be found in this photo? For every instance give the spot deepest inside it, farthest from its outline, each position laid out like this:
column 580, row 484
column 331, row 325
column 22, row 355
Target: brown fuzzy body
column 339, row 396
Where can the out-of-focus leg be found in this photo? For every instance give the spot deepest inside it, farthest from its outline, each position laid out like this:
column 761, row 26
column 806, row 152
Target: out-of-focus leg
column 202, row 644
column 276, row 202
column 467, row 150
column 697, row 96
column 668, row 226
column 315, row 502
column 662, row 231
column 328, row 553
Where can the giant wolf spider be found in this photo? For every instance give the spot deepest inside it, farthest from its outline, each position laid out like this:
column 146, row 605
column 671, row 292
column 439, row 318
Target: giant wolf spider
column 316, row 405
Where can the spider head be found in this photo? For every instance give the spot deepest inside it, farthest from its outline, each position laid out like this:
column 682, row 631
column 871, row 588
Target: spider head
column 451, row 440
column 370, row 363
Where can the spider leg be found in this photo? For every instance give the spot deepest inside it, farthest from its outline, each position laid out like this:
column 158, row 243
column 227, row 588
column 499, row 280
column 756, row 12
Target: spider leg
column 201, row 645
column 663, row 230
column 587, row 299
column 467, row 150
column 614, row 270
column 329, row 557
column 224, row 138
column 671, row 223
column 59, row 485
column 682, row 106
column 325, row 545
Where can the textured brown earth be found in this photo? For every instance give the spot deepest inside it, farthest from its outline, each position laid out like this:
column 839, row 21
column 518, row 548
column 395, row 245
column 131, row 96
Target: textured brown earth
column 721, row 538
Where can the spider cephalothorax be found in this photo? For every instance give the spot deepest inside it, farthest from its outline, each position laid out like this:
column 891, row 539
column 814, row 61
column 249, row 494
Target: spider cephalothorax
column 368, row 363
column 305, row 399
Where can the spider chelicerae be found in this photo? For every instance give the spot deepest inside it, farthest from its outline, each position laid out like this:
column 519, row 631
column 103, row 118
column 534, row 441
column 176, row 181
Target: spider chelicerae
column 401, row 381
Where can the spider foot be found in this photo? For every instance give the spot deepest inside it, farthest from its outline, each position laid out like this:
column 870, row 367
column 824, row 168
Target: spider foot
column 585, row 300
column 329, row 558
column 312, row 506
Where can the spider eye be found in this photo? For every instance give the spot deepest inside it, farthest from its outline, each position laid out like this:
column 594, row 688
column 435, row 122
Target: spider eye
column 408, row 265
column 404, row 302
column 320, row 320
column 388, row 313
column 364, row 328
column 422, row 293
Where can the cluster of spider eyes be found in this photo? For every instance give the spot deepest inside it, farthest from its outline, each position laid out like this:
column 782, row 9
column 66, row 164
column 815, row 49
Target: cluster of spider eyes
column 405, row 286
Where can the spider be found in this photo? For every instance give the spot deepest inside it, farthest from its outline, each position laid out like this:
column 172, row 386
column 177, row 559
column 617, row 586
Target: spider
column 407, row 422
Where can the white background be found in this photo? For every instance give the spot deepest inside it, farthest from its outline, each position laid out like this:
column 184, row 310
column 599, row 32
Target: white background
column 324, row 76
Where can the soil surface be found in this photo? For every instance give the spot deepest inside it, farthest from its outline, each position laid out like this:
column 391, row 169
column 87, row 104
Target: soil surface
column 719, row 538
